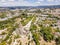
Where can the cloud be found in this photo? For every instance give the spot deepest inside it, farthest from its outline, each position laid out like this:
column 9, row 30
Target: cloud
column 2, row 0
column 53, row 0
column 50, row 0
column 16, row 3
column 40, row 0
column 6, row 0
column 11, row 0
column 28, row 3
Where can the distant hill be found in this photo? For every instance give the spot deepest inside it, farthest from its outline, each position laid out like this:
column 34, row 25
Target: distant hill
column 52, row 6
column 29, row 7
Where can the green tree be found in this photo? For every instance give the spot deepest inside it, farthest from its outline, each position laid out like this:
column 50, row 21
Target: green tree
column 47, row 33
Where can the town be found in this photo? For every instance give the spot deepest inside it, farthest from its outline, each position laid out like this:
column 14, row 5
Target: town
column 30, row 26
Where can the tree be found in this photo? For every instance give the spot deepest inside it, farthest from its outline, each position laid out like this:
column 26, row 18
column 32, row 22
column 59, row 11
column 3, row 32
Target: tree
column 57, row 40
column 46, row 33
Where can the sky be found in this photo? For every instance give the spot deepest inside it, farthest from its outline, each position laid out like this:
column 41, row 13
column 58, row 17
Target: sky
column 5, row 3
